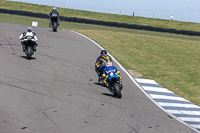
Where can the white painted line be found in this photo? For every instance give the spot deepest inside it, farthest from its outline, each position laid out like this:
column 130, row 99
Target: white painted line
column 156, row 89
column 195, row 126
column 183, row 112
column 149, row 81
column 189, row 119
column 167, row 97
column 179, row 105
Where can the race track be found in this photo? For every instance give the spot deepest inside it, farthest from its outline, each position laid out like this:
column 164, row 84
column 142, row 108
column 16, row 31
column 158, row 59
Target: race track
column 57, row 91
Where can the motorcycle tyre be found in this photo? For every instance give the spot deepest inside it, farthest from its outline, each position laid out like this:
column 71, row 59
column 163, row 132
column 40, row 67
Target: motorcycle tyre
column 117, row 90
column 55, row 26
column 29, row 52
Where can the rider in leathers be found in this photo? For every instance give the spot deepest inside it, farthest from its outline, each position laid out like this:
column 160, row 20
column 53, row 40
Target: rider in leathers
column 99, row 66
column 109, row 71
column 23, row 36
column 50, row 15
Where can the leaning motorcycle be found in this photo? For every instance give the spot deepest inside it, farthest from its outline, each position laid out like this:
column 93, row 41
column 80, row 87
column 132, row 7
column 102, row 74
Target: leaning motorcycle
column 115, row 85
column 29, row 45
column 54, row 21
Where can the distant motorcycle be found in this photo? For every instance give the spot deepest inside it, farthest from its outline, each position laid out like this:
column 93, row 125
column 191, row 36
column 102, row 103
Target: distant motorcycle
column 54, row 21
column 29, row 46
column 115, row 85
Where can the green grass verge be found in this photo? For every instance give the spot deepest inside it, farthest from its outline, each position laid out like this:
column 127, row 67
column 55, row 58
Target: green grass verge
column 101, row 16
column 172, row 60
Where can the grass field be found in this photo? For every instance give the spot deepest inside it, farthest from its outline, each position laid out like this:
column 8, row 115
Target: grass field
column 172, row 60
column 100, row 16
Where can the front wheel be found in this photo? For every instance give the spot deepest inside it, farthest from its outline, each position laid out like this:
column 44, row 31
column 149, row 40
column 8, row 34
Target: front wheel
column 55, row 25
column 117, row 90
column 29, row 52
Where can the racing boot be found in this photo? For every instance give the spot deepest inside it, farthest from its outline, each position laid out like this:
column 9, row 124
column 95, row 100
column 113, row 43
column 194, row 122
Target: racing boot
column 58, row 21
column 106, row 83
column 99, row 79
column 34, row 47
column 50, row 24
column 120, row 82
column 23, row 47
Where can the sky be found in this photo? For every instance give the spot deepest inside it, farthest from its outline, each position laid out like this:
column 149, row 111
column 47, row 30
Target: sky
column 182, row 10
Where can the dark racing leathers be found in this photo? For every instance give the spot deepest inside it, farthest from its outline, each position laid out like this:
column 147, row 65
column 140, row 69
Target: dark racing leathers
column 99, row 65
column 50, row 17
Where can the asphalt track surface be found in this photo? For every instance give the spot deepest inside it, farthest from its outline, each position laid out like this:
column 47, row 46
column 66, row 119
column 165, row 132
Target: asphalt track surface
column 57, row 90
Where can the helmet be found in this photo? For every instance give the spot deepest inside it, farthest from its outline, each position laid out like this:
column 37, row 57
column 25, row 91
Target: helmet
column 54, row 8
column 103, row 52
column 109, row 63
column 29, row 29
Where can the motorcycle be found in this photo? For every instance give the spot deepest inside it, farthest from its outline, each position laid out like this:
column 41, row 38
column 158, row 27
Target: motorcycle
column 115, row 85
column 54, row 21
column 29, row 43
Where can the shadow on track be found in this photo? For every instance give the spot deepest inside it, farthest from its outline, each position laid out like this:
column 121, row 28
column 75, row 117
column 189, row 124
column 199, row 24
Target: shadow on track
column 53, row 31
column 32, row 58
column 101, row 84
column 108, row 94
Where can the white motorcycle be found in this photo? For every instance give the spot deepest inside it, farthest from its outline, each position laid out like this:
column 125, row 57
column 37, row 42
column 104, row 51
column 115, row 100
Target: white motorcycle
column 29, row 43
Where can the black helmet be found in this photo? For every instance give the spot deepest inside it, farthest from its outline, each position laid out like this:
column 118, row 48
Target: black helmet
column 103, row 52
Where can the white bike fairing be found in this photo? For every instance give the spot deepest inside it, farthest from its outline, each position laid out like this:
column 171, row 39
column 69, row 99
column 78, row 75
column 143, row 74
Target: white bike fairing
column 29, row 34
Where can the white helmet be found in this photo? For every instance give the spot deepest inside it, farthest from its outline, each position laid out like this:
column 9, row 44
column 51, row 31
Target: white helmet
column 54, row 8
column 109, row 63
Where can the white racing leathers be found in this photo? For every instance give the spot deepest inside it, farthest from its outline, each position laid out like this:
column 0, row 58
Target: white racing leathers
column 27, row 36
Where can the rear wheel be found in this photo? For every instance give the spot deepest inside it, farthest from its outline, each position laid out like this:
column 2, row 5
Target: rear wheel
column 117, row 90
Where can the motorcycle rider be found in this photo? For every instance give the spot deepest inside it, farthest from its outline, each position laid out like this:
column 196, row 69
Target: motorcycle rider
column 99, row 65
column 54, row 11
column 108, row 72
column 23, row 36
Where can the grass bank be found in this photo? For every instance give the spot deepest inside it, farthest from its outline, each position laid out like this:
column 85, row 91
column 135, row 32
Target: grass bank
column 172, row 60
column 101, row 16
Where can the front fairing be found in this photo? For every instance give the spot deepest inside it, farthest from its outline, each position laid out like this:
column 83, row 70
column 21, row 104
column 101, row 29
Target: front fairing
column 114, row 78
column 54, row 17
